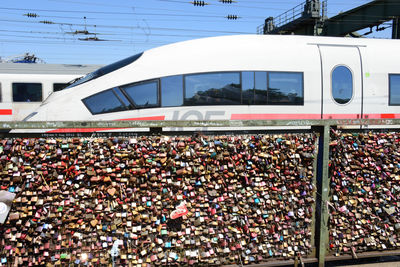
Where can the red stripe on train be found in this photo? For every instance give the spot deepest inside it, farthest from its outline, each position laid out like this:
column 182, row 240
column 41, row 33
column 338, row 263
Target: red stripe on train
column 341, row 116
column 275, row 116
column 310, row 116
column 79, row 130
column 5, row 111
column 89, row 130
column 153, row 118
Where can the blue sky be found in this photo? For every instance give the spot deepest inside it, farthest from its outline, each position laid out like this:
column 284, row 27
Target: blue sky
column 130, row 26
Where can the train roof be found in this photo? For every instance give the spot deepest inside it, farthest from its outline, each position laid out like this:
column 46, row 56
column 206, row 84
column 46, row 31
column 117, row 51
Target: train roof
column 253, row 43
column 31, row 68
column 295, row 39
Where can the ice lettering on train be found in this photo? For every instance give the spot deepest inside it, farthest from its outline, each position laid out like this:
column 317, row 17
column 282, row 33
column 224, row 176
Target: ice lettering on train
column 196, row 115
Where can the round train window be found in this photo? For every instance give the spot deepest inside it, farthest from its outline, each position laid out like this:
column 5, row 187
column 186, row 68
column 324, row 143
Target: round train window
column 342, row 85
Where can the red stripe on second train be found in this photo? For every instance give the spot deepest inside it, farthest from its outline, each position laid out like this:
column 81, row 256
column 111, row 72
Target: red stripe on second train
column 89, row 130
column 382, row 116
column 5, row 111
column 388, row 116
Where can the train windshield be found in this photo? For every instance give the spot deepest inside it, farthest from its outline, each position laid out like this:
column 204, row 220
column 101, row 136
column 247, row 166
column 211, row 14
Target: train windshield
column 104, row 70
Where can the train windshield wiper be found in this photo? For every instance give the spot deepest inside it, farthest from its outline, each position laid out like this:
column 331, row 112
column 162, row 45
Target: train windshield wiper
column 83, row 79
column 73, row 81
column 105, row 70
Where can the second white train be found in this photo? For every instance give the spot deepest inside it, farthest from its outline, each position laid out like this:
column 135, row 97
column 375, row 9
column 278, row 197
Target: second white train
column 24, row 86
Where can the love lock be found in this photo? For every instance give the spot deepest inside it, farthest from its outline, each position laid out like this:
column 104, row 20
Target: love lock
column 115, row 250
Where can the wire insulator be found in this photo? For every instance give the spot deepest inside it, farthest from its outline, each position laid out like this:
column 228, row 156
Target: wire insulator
column 199, row 3
column 227, row 1
column 46, row 22
column 232, row 17
column 31, row 15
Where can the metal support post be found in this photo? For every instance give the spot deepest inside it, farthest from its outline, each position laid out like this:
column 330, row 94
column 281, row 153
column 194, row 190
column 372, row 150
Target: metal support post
column 322, row 211
column 396, row 28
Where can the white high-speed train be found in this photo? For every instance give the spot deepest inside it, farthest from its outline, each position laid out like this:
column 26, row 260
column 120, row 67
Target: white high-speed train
column 237, row 78
column 23, row 86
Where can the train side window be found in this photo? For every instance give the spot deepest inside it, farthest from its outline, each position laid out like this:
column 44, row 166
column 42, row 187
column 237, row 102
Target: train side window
column 260, row 88
column 59, row 86
column 342, row 85
column 285, row 88
column 143, row 95
column 122, row 97
column 172, row 91
column 104, row 102
column 247, row 88
column 1, row 95
column 213, row 89
column 27, row 92
column 394, row 89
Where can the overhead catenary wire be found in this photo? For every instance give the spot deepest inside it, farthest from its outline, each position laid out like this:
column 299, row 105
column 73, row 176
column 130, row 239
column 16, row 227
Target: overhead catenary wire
column 134, row 12
column 217, row 4
column 251, row 7
column 158, row 17
column 107, row 33
column 189, row 18
column 106, row 13
column 135, row 27
column 126, row 13
column 116, row 13
column 79, row 43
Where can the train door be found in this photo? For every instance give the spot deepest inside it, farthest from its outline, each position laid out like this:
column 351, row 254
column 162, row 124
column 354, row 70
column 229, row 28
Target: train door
column 342, row 82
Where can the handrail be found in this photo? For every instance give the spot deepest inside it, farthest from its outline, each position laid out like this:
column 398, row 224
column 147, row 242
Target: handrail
column 303, row 10
column 289, row 15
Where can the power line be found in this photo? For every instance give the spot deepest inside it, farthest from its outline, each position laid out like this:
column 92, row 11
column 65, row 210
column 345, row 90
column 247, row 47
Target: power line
column 132, row 27
column 107, row 33
column 79, row 43
column 106, row 13
column 136, row 27
column 220, row 17
column 224, row 5
column 112, row 13
column 131, row 7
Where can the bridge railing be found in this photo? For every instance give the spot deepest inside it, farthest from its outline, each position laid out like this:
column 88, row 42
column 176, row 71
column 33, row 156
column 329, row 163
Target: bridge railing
column 322, row 128
column 192, row 123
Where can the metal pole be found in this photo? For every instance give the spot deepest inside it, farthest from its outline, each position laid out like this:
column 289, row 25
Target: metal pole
column 323, row 193
column 396, row 28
